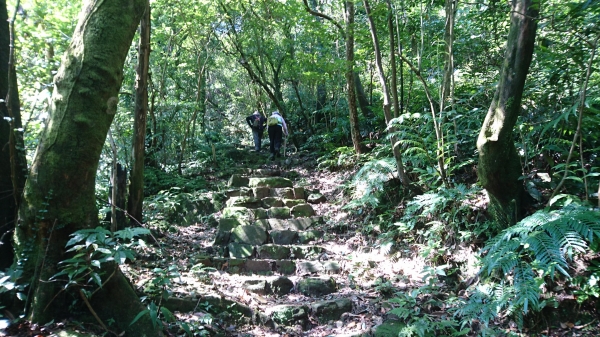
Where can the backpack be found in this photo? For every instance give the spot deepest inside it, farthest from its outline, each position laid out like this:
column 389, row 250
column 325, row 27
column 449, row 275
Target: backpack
column 272, row 121
column 256, row 122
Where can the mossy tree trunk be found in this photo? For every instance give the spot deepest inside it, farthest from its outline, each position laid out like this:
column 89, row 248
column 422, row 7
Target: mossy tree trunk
column 499, row 167
column 13, row 165
column 59, row 196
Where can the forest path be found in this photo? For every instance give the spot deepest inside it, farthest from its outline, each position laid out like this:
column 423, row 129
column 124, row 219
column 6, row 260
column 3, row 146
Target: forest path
column 282, row 258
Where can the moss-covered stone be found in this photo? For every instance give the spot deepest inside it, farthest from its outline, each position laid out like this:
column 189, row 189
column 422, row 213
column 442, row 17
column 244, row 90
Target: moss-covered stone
column 279, row 212
column 260, row 213
column 272, row 182
column 299, row 193
column 283, row 193
column 252, row 235
column 240, row 250
column 285, row 267
column 332, row 310
column 248, row 202
column 309, row 236
column 292, row 202
column 283, row 237
column 302, row 211
column 243, row 214
column 280, row 285
column 315, row 287
column 226, row 225
column 275, row 252
column 269, row 202
column 288, row 315
column 237, row 180
column 306, row 252
column 261, row 192
column 309, row 267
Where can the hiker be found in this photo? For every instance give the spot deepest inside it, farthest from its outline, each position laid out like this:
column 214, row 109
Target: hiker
column 277, row 129
column 257, row 122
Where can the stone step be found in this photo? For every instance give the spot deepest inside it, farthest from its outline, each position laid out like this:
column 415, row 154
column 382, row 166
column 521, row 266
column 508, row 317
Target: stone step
column 249, row 266
column 275, row 251
column 238, row 225
column 298, row 314
column 298, row 193
column 238, row 180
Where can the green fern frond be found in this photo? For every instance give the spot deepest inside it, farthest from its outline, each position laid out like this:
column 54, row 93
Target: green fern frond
column 543, row 242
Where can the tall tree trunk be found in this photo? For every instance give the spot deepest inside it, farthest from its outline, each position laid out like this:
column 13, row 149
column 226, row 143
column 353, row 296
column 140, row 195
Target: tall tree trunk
column 499, row 167
column 352, row 111
column 59, row 196
column 136, row 186
column 404, row 179
column 363, row 101
column 13, row 165
column 446, row 87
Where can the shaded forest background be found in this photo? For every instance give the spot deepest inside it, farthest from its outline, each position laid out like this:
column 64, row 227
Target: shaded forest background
column 395, row 92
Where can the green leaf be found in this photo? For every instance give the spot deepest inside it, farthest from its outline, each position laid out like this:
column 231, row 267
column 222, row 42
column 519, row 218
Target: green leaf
column 138, row 316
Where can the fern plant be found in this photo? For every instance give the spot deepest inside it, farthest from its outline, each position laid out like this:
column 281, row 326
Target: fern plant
column 369, row 182
column 520, row 258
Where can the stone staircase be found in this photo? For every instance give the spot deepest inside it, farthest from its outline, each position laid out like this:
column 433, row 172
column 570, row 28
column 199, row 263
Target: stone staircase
column 268, row 236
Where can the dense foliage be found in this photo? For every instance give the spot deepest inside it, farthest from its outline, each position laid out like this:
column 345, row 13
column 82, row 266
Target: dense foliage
column 213, row 63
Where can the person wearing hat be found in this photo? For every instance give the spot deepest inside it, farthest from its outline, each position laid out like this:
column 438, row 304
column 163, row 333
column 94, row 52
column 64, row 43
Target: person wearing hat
column 276, row 129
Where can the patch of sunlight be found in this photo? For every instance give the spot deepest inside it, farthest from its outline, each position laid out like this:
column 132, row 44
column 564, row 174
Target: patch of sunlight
column 4, row 324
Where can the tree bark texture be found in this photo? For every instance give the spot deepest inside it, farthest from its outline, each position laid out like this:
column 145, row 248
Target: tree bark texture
column 387, row 111
column 136, row 186
column 59, row 196
column 363, row 101
column 499, row 166
column 351, row 94
column 13, row 165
